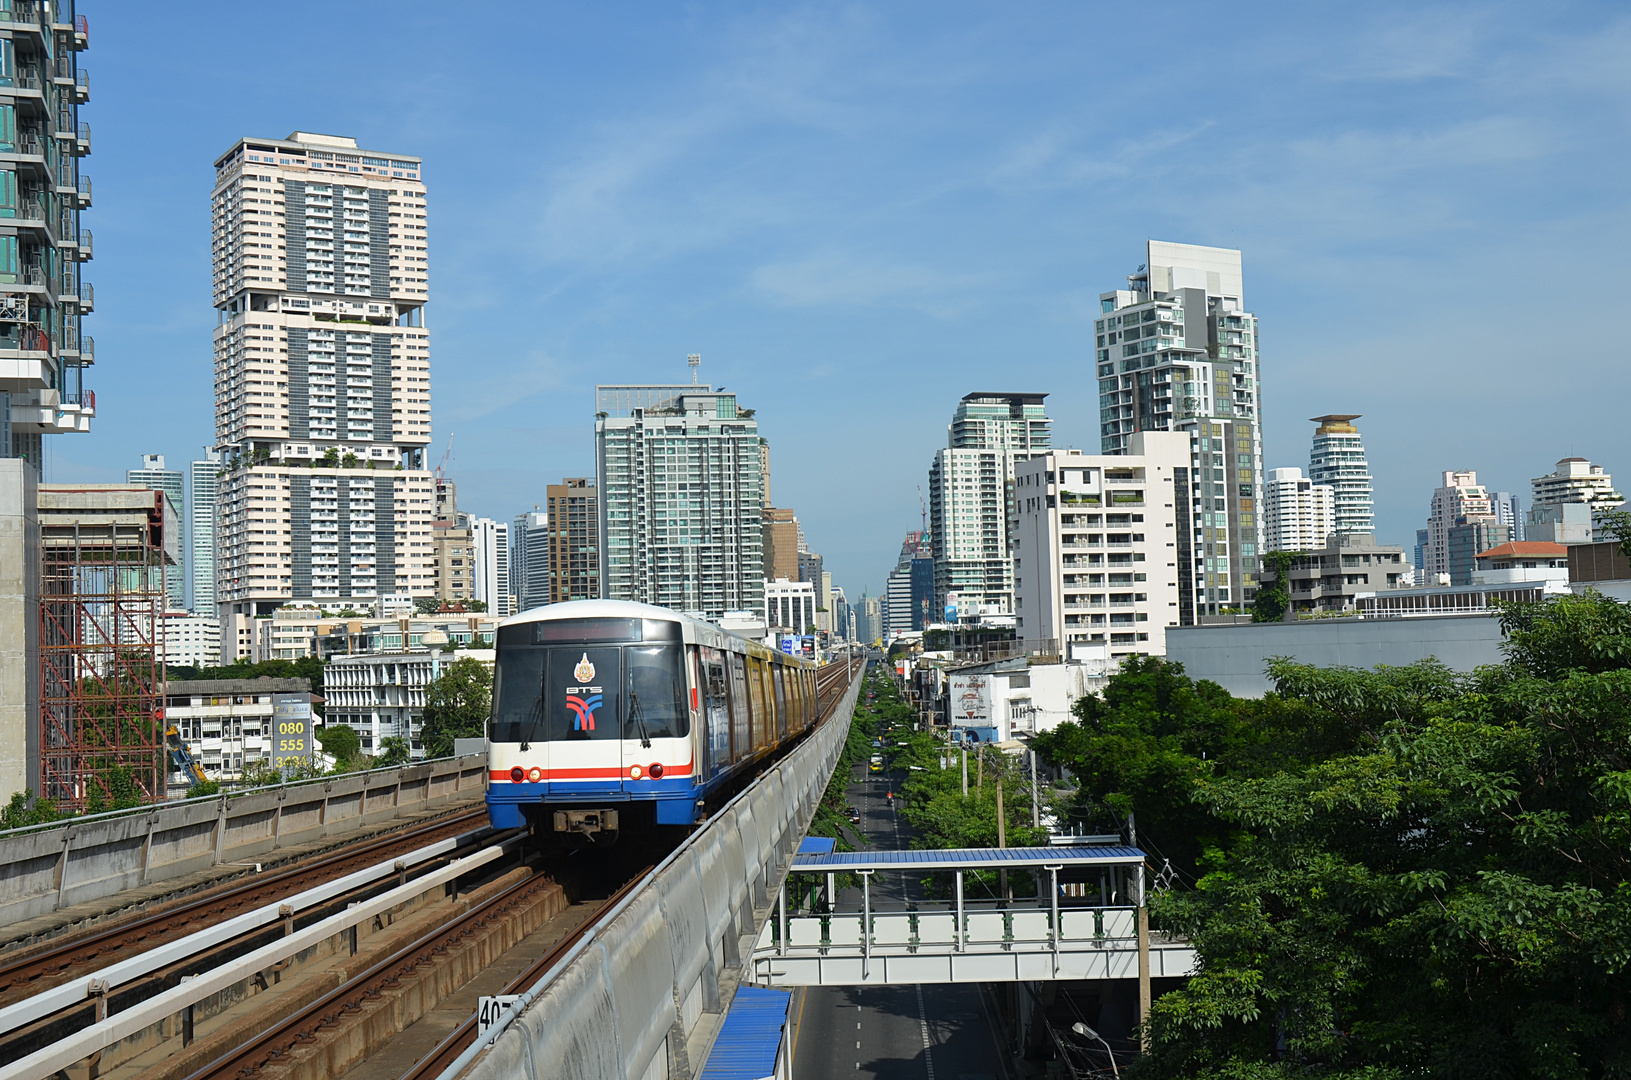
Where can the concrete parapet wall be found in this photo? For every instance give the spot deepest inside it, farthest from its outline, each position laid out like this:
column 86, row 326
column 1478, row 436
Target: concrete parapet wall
column 640, row 996
column 49, row 867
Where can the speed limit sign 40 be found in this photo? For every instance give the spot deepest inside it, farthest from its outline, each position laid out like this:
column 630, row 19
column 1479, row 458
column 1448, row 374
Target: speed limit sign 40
column 490, row 1008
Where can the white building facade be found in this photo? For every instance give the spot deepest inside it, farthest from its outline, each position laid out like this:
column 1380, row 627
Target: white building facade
column 191, row 640
column 790, row 606
column 971, row 490
column 382, row 695
column 529, row 559
column 491, row 541
column 1177, row 350
column 1575, row 481
column 1298, row 514
column 1338, row 461
column 322, row 377
column 202, row 478
column 1102, row 543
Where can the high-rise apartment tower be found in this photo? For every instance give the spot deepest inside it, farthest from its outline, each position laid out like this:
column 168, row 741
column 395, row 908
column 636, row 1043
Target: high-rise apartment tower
column 1298, row 514
column 1459, row 498
column 201, row 531
column 971, row 495
column 43, row 351
column 1338, row 461
column 491, row 542
column 680, row 483
column 574, row 540
column 322, row 377
column 529, row 559
column 1177, row 351
column 173, row 482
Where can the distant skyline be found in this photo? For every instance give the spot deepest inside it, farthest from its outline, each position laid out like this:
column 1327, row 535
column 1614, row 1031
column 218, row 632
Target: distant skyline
column 859, row 214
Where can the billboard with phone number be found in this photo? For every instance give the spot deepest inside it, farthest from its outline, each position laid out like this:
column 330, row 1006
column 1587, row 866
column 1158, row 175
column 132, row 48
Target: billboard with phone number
column 291, row 729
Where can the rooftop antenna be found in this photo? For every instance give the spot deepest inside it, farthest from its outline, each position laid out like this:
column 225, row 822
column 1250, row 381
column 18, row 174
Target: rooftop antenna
column 923, row 509
column 695, row 360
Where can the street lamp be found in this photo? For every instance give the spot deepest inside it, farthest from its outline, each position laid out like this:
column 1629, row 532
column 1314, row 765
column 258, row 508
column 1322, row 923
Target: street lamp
column 1082, row 1029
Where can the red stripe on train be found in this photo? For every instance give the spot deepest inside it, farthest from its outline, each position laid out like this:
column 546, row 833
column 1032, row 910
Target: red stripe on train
column 589, row 774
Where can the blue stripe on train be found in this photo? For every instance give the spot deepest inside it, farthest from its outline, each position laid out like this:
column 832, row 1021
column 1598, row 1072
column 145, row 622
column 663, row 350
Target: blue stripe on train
column 675, row 797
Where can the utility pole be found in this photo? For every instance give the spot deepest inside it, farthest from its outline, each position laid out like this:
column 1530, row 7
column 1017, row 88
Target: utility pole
column 965, row 771
column 1002, row 842
column 1036, row 802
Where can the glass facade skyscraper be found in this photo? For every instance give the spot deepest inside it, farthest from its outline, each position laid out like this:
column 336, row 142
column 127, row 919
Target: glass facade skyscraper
column 173, row 482
column 680, row 484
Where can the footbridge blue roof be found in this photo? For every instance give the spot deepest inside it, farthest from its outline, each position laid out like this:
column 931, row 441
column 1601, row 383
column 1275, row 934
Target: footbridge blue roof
column 971, row 858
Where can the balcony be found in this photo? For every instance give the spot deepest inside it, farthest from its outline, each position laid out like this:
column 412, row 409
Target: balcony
column 82, row 86
column 84, row 193
column 86, row 249
column 82, row 143
column 87, row 297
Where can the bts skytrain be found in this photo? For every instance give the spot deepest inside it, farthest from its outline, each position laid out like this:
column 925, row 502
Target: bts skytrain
column 612, row 717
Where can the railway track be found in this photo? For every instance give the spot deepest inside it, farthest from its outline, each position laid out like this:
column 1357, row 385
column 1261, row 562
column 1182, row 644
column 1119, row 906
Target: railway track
column 277, row 1043
column 448, row 1050
column 82, row 954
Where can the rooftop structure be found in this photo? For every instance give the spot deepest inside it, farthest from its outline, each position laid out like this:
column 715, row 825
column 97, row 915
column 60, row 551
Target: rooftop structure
column 1338, row 461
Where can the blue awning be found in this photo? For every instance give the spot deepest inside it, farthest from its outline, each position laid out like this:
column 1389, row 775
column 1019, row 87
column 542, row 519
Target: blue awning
column 817, row 845
column 749, row 1037
column 971, row 858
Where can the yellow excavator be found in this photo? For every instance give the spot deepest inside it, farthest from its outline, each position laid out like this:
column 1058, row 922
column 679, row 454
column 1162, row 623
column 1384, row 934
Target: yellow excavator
column 182, row 758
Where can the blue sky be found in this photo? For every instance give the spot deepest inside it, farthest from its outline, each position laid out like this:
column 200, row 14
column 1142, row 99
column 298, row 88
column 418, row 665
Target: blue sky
column 857, row 214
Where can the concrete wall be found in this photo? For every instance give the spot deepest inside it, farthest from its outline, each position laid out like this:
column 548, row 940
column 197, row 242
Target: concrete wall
column 1235, row 656
column 48, row 867
column 19, row 628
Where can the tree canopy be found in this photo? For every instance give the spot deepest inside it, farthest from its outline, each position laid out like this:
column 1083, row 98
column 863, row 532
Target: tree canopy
column 1400, row 872
column 456, row 705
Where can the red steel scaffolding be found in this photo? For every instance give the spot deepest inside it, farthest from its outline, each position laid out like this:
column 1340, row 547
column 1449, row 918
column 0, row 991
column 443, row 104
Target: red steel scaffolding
column 102, row 602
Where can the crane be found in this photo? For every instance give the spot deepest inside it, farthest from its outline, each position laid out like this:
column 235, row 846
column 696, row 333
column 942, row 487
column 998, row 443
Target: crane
column 441, row 470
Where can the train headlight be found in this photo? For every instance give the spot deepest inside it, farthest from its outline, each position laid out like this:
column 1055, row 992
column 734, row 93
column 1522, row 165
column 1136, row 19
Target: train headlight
column 634, row 772
column 517, row 775
column 535, row 774
column 656, row 770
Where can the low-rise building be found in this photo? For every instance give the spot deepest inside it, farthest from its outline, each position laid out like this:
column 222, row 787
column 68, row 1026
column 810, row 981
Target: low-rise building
column 1435, row 600
column 1521, row 561
column 1349, row 565
column 227, row 723
column 1106, row 546
column 1006, row 699
column 293, row 632
column 382, row 695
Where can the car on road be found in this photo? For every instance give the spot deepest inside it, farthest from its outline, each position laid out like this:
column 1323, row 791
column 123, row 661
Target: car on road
column 877, row 763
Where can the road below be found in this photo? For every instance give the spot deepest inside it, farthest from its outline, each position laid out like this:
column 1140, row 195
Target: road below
column 934, row 1032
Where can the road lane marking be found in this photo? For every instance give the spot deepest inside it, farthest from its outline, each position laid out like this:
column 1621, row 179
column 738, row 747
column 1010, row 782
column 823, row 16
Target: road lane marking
column 923, row 1029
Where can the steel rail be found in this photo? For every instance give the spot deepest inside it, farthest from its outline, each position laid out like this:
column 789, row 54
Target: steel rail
column 448, row 1050
column 49, row 1060
column 25, row 973
column 67, row 994
column 273, row 1045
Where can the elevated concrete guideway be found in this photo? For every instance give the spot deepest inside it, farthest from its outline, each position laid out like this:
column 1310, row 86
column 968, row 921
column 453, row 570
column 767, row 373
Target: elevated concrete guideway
column 962, row 941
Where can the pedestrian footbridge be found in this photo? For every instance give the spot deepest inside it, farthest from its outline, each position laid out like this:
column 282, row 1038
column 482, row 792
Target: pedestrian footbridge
column 1051, row 937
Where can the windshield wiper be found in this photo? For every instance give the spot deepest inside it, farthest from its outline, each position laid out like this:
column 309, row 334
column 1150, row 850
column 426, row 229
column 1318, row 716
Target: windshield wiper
column 639, row 718
column 536, row 715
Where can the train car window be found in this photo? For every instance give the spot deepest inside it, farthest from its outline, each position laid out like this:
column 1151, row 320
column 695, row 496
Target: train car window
column 756, row 694
column 781, row 701
column 661, row 630
column 518, row 697
column 717, row 708
column 740, row 741
column 656, row 707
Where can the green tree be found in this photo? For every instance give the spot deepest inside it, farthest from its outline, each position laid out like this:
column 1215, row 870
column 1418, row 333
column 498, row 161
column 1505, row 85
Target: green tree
column 18, row 813
column 343, row 744
column 393, row 751
column 457, row 703
column 1444, row 893
column 1272, row 600
column 198, row 789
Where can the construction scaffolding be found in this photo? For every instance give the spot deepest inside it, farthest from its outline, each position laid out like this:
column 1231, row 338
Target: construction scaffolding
column 104, row 553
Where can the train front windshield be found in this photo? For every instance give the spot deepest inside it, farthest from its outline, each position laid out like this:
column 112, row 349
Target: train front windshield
column 556, row 690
